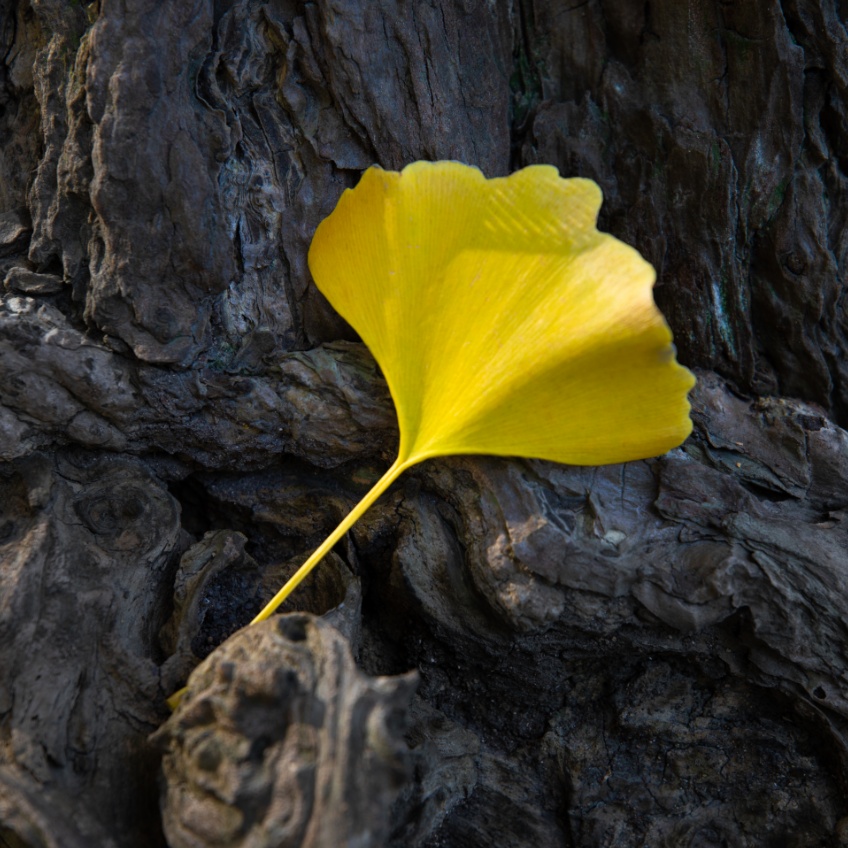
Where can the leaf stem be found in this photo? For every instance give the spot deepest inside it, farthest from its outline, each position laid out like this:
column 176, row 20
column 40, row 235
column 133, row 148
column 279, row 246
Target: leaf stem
column 294, row 581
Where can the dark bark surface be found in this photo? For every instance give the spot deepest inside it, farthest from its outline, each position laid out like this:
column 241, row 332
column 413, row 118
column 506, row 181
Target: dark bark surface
column 503, row 653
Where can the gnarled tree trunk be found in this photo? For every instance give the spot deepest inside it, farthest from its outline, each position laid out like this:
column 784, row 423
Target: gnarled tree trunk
column 502, row 652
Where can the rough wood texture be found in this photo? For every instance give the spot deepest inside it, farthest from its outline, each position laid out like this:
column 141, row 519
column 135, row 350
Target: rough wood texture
column 717, row 131
column 649, row 654
column 87, row 545
column 281, row 741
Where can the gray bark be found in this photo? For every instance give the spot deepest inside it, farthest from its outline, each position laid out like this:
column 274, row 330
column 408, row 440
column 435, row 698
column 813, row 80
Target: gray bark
column 502, row 652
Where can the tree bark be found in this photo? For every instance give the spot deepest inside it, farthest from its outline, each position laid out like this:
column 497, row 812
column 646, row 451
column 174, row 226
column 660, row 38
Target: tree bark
column 502, row 652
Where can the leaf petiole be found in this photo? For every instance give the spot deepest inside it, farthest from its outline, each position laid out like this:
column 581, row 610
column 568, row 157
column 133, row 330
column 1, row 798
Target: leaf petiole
column 326, row 546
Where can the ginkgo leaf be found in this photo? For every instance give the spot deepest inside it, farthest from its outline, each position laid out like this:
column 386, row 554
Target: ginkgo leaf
column 504, row 322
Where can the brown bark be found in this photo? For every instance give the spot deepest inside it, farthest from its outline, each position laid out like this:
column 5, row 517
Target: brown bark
column 649, row 654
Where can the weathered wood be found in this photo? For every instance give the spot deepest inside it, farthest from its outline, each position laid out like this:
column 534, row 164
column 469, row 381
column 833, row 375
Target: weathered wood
column 649, row 654
column 281, row 741
column 717, row 131
column 86, row 545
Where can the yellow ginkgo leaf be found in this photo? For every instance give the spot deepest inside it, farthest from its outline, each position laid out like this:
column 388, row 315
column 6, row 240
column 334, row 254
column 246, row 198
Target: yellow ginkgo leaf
column 504, row 322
